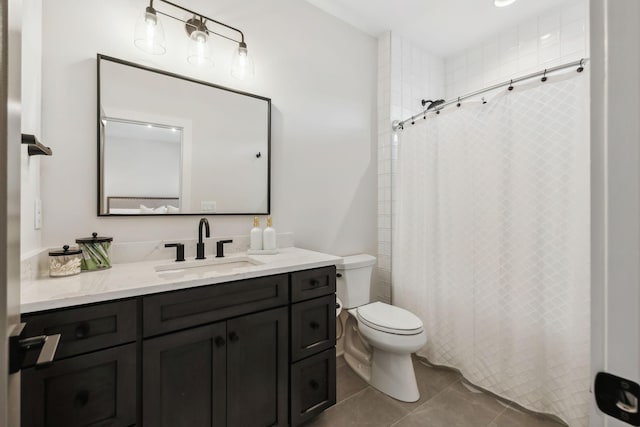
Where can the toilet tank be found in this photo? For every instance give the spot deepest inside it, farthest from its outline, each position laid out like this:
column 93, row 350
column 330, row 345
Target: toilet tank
column 353, row 284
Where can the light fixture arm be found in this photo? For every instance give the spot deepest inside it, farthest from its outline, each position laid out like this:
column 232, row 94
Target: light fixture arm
column 203, row 18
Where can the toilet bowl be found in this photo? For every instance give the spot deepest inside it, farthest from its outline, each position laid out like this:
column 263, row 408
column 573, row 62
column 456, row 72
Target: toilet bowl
column 379, row 338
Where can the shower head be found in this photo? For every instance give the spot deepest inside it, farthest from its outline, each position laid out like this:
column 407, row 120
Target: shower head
column 432, row 104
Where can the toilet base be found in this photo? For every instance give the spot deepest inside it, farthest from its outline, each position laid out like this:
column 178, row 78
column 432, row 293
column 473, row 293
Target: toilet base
column 390, row 373
column 393, row 374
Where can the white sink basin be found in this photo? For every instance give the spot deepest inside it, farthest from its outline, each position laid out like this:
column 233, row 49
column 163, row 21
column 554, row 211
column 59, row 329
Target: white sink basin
column 207, row 267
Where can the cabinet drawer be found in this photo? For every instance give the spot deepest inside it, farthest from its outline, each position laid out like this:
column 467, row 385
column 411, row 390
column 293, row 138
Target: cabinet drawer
column 95, row 389
column 313, row 326
column 314, row 283
column 172, row 311
column 84, row 329
column 313, row 386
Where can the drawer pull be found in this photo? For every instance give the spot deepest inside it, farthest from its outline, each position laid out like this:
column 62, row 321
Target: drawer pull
column 314, row 283
column 314, row 325
column 219, row 341
column 314, row 384
column 81, row 399
column 233, row 337
column 338, row 274
column 82, row 331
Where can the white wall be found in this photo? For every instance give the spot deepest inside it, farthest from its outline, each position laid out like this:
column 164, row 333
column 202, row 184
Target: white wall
column 318, row 71
column 30, row 238
column 556, row 37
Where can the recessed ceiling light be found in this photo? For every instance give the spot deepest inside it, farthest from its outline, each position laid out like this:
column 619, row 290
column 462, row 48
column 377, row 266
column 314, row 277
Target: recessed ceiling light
column 503, row 3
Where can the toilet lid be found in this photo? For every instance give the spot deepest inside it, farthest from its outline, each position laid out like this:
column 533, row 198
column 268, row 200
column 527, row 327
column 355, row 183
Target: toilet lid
column 387, row 318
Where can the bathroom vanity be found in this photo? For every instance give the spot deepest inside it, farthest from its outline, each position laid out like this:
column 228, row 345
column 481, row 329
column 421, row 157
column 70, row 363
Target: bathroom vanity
column 252, row 346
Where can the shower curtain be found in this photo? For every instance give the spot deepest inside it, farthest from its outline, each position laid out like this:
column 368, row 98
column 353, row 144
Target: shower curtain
column 491, row 242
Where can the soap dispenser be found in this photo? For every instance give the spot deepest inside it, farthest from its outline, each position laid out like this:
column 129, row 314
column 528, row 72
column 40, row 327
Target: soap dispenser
column 269, row 236
column 255, row 235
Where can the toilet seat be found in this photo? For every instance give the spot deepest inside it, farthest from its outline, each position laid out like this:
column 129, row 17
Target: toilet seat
column 390, row 319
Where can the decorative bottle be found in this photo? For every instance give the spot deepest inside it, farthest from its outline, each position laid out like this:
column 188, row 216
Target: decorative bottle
column 255, row 235
column 269, row 236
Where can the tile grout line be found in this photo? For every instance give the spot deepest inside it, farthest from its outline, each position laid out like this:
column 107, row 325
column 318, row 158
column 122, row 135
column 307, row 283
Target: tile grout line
column 504, row 409
column 425, row 402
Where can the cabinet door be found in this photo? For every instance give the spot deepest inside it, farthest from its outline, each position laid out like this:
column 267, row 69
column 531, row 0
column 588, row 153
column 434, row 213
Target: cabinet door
column 313, row 326
column 96, row 389
column 313, row 386
column 257, row 369
column 183, row 378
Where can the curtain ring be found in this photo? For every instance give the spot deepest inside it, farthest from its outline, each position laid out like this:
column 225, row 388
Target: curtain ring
column 458, row 104
column 544, row 76
column 510, row 85
column 581, row 66
column 484, row 101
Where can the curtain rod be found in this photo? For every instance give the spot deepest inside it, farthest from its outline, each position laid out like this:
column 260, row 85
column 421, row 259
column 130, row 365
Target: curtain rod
column 580, row 64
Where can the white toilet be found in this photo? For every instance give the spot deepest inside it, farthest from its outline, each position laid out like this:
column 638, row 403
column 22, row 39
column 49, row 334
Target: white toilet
column 379, row 338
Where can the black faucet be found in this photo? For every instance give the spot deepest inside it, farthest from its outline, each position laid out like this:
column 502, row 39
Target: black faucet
column 220, row 247
column 200, row 245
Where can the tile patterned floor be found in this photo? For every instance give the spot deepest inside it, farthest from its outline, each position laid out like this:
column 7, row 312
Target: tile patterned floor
column 444, row 402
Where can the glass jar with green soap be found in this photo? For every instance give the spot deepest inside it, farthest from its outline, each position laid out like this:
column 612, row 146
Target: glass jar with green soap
column 95, row 252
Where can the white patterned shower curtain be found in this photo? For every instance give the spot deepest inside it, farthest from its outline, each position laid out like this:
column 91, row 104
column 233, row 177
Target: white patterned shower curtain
column 491, row 242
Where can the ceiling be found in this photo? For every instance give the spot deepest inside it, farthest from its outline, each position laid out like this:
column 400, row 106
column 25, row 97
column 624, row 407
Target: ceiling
column 442, row 27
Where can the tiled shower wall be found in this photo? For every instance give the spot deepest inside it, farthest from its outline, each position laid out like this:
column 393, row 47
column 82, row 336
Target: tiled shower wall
column 407, row 74
column 553, row 38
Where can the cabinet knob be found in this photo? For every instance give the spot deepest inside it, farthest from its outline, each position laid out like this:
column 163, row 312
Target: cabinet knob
column 314, row 325
column 338, row 274
column 219, row 341
column 233, row 337
column 81, row 399
column 82, row 331
column 314, row 283
column 314, row 384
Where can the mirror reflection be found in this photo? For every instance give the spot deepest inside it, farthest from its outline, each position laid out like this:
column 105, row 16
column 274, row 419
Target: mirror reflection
column 171, row 145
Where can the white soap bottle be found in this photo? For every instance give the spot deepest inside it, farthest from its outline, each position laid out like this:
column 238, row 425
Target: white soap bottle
column 255, row 235
column 269, row 236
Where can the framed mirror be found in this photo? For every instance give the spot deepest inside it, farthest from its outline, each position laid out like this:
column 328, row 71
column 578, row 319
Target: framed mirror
column 172, row 145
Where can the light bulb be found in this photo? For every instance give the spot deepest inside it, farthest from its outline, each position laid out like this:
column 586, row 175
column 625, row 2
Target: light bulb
column 242, row 67
column 149, row 33
column 199, row 51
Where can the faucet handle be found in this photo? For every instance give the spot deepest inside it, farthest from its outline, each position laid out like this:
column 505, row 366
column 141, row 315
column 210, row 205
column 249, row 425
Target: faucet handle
column 179, row 250
column 220, row 247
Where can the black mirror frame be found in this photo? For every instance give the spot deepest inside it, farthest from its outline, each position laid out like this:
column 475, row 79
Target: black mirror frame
column 101, row 57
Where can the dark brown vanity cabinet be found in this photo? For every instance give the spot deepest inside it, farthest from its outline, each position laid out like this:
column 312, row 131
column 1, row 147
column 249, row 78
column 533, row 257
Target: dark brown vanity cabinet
column 313, row 340
column 252, row 353
column 231, row 373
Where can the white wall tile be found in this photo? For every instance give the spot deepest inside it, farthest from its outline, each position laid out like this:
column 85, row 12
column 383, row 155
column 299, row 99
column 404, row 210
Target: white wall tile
column 555, row 37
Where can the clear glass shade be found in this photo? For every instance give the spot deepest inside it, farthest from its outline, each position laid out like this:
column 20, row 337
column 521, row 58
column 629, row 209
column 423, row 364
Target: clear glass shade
column 149, row 34
column 199, row 51
column 242, row 67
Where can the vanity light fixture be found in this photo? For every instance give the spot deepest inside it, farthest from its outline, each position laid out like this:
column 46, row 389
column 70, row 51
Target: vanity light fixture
column 503, row 3
column 149, row 37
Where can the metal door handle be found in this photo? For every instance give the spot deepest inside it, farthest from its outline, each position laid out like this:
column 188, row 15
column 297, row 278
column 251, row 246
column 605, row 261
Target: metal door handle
column 19, row 346
column 49, row 345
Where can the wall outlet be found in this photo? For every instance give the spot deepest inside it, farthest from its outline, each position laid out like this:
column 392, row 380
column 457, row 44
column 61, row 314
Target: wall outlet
column 208, row 207
column 37, row 214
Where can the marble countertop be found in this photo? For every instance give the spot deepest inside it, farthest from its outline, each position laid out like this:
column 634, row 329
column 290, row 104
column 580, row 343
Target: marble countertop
column 141, row 278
